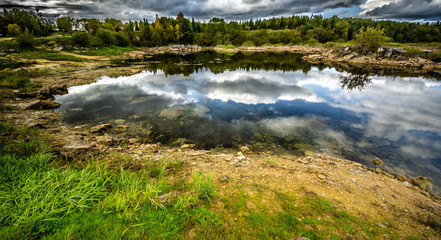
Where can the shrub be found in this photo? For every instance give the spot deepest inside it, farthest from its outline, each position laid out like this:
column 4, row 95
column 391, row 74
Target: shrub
column 369, row 39
column 121, row 39
column 81, row 39
column 25, row 40
column 106, row 37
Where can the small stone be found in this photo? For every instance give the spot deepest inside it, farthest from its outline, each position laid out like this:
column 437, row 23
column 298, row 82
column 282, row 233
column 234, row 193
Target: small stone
column 321, row 176
column 377, row 161
column 100, row 128
column 245, row 150
column 224, row 179
column 187, row 146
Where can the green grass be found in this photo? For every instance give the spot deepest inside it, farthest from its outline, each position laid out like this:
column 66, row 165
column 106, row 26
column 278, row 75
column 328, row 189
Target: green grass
column 40, row 200
column 107, row 51
column 50, row 55
column 20, row 79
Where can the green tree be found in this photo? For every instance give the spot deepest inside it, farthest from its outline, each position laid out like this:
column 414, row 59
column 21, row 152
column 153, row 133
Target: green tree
column 92, row 25
column 13, row 30
column 369, row 39
column 64, row 24
column 106, row 37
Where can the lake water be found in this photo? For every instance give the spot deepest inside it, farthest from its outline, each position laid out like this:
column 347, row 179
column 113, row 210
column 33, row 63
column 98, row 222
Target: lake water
column 271, row 101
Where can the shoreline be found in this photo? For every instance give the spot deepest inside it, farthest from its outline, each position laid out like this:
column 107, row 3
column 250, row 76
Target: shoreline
column 363, row 191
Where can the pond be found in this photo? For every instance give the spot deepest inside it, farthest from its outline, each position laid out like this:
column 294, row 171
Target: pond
column 271, row 101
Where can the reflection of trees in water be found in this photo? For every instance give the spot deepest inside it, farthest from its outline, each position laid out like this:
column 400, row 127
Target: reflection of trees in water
column 351, row 81
column 172, row 64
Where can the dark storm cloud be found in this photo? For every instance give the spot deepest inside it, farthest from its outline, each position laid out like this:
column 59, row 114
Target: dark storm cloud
column 407, row 9
column 228, row 9
column 203, row 9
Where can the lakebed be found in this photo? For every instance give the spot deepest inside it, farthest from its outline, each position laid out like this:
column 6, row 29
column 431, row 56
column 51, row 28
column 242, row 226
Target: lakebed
column 358, row 188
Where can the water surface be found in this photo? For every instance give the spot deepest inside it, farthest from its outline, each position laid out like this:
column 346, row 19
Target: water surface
column 274, row 102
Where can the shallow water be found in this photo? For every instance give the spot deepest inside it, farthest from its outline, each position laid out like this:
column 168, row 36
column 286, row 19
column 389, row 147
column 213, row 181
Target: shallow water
column 272, row 102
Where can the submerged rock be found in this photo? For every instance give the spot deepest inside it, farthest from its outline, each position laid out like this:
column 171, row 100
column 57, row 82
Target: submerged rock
column 422, row 182
column 100, row 128
column 171, row 114
column 120, row 121
column 377, row 161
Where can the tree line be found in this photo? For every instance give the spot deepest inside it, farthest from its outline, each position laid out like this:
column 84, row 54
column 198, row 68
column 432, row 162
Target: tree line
column 165, row 30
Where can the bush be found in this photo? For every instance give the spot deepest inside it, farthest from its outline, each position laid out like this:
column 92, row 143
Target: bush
column 121, row 39
column 81, row 39
column 106, row 37
column 25, row 40
column 369, row 39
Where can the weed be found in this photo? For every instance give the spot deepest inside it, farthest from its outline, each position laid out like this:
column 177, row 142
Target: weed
column 203, row 187
column 157, row 169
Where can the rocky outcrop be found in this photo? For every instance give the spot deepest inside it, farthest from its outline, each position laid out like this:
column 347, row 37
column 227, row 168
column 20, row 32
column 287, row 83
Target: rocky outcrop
column 385, row 60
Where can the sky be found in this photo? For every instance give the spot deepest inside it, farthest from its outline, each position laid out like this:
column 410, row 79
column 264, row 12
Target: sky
column 411, row 10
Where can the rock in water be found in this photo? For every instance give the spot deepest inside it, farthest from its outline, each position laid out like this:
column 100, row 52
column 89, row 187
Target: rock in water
column 77, row 150
column 122, row 129
column 377, row 161
column 422, row 182
column 42, row 105
column 100, row 128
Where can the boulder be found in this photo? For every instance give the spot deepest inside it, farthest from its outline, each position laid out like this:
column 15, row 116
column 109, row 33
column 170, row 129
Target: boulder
column 76, row 150
column 42, row 105
column 58, row 89
column 422, row 182
column 100, row 128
